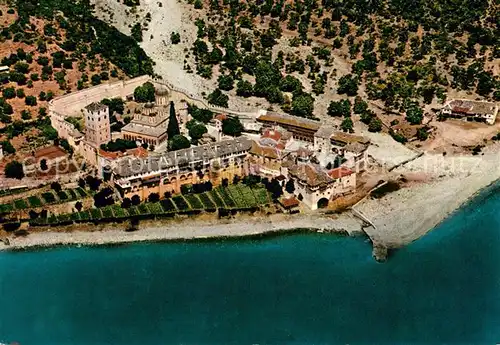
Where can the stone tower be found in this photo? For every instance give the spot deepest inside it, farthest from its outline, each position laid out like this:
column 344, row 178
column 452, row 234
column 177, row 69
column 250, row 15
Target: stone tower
column 97, row 127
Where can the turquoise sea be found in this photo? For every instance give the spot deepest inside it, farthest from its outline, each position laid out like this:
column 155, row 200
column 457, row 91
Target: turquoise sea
column 297, row 289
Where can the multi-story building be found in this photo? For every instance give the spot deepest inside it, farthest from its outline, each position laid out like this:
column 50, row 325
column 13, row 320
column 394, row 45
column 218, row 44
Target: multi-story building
column 270, row 155
column 315, row 186
column 149, row 124
column 167, row 173
column 353, row 148
column 97, row 127
column 301, row 128
column 471, row 110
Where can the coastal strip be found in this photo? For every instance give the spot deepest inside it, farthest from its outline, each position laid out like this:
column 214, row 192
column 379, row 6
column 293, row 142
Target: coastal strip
column 404, row 216
column 187, row 229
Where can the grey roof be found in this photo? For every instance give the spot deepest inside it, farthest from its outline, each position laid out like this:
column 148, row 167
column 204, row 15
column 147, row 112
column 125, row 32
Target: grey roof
column 289, row 120
column 356, row 147
column 145, row 130
column 133, row 166
column 325, row 132
column 473, row 107
column 96, row 106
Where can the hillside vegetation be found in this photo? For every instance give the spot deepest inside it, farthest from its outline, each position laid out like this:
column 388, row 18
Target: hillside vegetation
column 400, row 55
column 54, row 47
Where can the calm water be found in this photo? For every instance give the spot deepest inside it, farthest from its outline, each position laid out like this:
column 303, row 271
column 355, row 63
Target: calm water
column 444, row 288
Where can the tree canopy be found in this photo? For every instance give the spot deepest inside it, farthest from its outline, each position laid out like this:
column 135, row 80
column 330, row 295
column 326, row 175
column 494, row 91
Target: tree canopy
column 178, row 142
column 15, row 170
column 232, row 126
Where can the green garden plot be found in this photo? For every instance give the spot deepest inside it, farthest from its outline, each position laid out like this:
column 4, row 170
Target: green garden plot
column 207, row 202
column 5, row 208
column 64, row 218
column 72, row 194
column 143, row 209
column 168, row 205
column 107, row 212
column 194, row 201
column 119, row 212
column 84, row 215
column 216, row 198
column 62, row 195
column 133, row 211
column 155, row 208
column 95, row 213
column 261, row 195
column 237, row 197
column 247, row 195
column 48, row 197
column 35, row 201
column 81, row 192
column 182, row 205
column 226, row 197
column 20, row 204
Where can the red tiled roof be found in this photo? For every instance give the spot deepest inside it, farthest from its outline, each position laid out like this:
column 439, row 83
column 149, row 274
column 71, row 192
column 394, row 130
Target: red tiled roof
column 289, row 202
column 264, row 151
column 221, row 117
column 340, row 172
column 311, row 175
column 271, row 133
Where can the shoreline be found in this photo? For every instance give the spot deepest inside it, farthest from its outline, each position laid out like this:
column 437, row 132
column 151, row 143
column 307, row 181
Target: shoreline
column 397, row 219
column 408, row 214
column 187, row 230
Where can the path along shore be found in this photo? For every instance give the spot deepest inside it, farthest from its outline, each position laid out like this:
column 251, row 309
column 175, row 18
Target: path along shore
column 398, row 218
column 186, row 229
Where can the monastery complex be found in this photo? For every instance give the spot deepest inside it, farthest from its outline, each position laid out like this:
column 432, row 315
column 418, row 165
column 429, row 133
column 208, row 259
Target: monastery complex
column 322, row 161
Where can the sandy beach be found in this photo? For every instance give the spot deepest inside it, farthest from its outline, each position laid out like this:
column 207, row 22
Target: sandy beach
column 399, row 218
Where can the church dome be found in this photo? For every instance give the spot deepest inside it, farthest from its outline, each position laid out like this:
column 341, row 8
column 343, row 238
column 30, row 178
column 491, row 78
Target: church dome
column 161, row 91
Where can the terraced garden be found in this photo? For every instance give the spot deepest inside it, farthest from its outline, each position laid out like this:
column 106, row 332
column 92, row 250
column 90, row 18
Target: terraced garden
column 233, row 197
column 46, row 198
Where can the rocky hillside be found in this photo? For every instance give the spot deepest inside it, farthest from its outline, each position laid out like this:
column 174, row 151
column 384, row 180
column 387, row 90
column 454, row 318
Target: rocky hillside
column 379, row 65
column 52, row 48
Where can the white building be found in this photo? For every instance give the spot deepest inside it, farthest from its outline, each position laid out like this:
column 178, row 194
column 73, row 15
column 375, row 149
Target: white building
column 315, row 186
column 352, row 147
column 471, row 110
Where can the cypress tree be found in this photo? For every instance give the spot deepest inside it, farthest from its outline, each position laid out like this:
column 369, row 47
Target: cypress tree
column 173, row 124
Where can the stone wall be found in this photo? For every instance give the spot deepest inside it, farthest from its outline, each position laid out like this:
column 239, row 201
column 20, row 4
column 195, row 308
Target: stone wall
column 72, row 103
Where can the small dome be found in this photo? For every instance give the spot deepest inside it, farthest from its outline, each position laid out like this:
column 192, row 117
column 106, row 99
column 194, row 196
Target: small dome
column 161, row 91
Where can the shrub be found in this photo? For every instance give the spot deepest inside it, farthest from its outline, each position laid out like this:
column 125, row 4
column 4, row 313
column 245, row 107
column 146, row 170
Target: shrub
column 175, row 37
column 30, row 100
column 9, row 93
column 48, row 197
column 20, row 204
column 14, row 169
